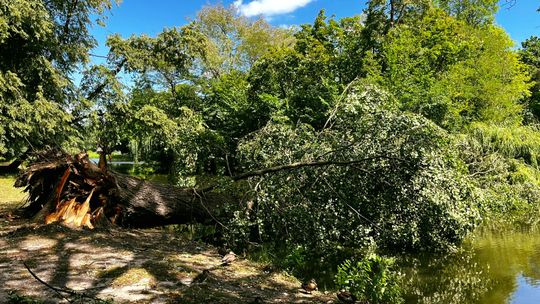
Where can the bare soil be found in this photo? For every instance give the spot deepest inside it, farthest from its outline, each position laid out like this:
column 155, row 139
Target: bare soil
column 131, row 266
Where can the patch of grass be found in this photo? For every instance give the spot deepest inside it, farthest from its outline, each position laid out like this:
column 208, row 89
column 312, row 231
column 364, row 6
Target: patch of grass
column 92, row 154
column 134, row 276
column 124, row 276
column 116, row 156
column 286, row 279
column 10, row 195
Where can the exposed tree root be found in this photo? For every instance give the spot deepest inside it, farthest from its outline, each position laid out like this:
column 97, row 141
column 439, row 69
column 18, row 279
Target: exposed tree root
column 76, row 192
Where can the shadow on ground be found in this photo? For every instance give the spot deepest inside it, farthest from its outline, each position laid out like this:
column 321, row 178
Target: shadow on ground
column 132, row 266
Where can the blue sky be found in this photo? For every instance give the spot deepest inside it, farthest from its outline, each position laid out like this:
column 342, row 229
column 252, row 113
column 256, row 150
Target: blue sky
column 151, row 16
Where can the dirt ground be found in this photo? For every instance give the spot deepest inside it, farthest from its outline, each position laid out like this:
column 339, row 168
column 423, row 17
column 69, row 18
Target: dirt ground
column 131, row 266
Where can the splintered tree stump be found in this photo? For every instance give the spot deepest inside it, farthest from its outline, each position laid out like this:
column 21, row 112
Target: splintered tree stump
column 74, row 191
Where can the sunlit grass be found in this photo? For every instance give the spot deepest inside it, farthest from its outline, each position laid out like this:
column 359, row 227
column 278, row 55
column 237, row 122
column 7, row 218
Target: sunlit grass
column 10, row 195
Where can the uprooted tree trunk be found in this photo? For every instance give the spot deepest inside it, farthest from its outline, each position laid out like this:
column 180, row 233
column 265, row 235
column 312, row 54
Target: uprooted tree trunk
column 75, row 191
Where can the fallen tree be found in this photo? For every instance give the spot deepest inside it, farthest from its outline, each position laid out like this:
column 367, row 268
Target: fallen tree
column 75, row 191
column 376, row 175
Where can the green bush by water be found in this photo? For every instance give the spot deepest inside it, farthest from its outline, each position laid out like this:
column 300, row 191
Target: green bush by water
column 371, row 279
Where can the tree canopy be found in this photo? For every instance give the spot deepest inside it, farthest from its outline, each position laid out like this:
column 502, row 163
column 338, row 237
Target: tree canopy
column 42, row 43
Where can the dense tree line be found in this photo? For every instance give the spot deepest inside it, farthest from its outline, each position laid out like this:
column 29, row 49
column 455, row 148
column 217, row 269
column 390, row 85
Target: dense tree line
column 420, row 117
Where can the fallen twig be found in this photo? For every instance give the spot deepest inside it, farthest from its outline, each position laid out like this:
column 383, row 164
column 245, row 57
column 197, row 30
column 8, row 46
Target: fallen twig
column 61, row 291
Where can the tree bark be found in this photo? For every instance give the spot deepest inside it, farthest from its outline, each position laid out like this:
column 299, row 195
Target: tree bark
column 144, row 203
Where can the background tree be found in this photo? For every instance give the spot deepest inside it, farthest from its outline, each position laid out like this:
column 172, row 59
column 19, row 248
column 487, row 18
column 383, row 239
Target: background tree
column 453, row 73
column 42, row 43
column 200, row 68
column 473, row 12
column 304, row 81
column 233, row 42
column 530, row 55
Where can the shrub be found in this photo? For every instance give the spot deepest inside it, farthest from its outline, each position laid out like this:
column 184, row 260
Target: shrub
column 370, row 280
column 502, row 164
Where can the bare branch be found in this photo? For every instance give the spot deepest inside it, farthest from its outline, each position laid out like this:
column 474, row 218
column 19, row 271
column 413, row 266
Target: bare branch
column 61, row 291
column 299, row 165
column 55, row 289
column 508, row 4
column 98, row 56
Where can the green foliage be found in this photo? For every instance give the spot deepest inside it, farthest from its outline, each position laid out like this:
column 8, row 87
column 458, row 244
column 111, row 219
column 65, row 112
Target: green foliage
column 403, row 189
column 530, row 55
column 180, row 135
column 371, row 279
column 474, row 12
column 503, row 165
column 519, row 143
column 305, row 80
column 454, row 73
column 300, row 86
column 196, row 72
column 530, row 51
column 164, row 61
column 367, row 107
column 41, row 44
column 229, row 111
column 234, row 43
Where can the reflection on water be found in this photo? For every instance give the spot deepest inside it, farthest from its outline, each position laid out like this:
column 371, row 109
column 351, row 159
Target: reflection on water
column 527, row 291
column 490, row 268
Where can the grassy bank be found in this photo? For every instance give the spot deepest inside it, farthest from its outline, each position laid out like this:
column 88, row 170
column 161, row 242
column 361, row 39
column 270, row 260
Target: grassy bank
column 9, row 195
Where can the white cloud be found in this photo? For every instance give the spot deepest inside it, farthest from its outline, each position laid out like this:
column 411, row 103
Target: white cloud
column 269, row 7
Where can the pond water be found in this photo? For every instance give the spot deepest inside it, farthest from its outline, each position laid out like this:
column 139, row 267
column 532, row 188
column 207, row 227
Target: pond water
column 490, row 268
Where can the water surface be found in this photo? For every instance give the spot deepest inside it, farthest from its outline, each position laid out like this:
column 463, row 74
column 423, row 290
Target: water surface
column 490, row 268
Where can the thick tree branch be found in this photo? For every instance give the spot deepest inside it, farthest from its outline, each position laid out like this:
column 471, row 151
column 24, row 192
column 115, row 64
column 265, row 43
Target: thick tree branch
column 68, row 20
